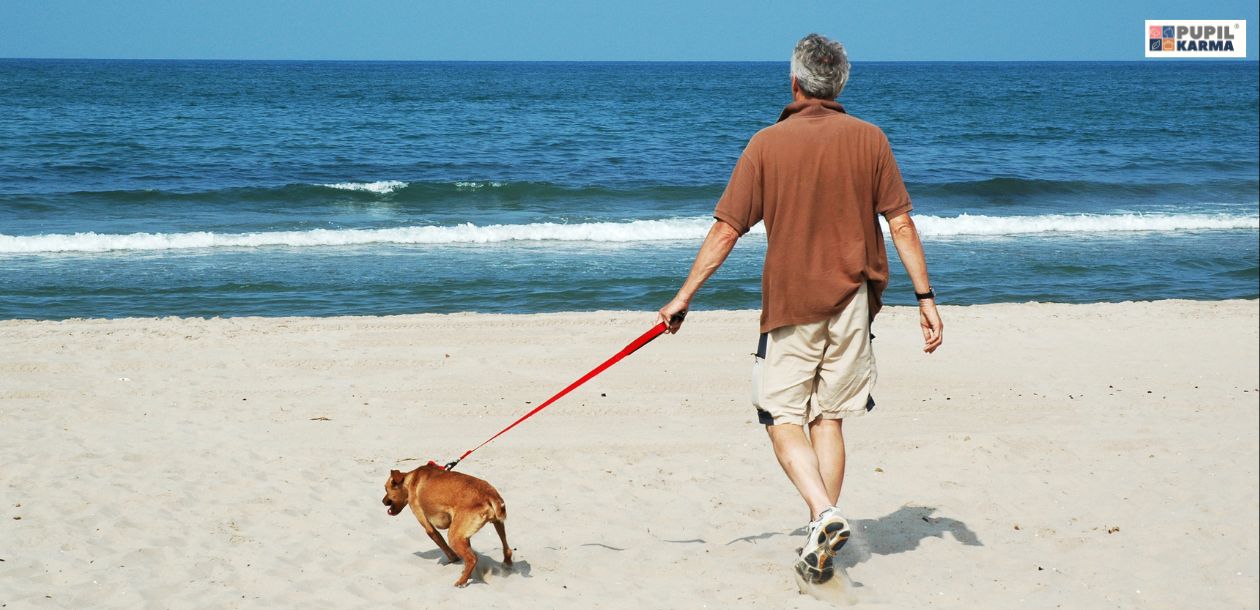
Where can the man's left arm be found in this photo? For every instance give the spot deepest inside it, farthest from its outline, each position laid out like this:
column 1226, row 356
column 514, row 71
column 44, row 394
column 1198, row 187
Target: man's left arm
column 713, row 252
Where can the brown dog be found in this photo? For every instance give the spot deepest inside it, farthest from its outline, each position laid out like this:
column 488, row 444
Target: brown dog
column 443, row 499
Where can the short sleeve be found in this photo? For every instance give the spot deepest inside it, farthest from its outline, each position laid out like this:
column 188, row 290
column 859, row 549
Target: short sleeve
column 891, row 197
column 741, row 203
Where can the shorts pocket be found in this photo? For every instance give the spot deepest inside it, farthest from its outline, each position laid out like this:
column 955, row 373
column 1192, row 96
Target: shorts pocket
column 758, row 362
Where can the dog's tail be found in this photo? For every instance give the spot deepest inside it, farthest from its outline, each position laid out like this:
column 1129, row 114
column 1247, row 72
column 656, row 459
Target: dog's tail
column 496, row 509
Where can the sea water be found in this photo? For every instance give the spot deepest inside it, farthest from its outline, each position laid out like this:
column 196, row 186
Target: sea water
column 211, row 188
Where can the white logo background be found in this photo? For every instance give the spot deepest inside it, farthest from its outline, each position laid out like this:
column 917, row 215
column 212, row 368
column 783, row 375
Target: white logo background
column 1237, row 29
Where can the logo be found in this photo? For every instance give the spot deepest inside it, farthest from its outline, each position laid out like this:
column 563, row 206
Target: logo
column 1196, row 38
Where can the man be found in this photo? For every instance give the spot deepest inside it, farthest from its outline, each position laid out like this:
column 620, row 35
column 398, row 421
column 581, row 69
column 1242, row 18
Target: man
column 817, row 178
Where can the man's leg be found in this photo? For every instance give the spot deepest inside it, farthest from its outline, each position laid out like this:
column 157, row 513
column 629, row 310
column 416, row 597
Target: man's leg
column 846, row 378
column 800, row 464
column 827, row 437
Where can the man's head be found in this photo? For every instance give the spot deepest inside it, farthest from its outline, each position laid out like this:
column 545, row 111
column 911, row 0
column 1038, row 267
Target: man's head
column 820, row 67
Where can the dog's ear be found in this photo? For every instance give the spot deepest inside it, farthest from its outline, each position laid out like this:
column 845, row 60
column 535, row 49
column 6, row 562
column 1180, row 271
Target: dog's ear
column 396, row 477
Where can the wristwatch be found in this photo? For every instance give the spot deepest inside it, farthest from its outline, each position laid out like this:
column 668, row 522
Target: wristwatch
column 923, row 296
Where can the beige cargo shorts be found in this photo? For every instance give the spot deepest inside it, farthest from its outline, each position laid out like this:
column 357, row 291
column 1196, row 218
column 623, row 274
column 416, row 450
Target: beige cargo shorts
column 821, row 369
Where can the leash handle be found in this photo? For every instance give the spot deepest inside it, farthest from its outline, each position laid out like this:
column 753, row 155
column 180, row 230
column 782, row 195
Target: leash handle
column 630, row 348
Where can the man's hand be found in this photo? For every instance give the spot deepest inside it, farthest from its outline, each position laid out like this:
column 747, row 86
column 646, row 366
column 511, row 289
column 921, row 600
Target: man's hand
column 906, row 238
column 933, row 327
column 672, row 315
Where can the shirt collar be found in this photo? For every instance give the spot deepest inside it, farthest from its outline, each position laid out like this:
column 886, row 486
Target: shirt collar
column 810, row 107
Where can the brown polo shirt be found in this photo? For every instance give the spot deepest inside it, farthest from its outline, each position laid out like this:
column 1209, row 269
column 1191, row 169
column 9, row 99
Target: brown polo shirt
column 817, row 178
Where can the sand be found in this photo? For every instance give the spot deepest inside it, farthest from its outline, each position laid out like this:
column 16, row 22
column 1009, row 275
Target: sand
column 1049, row 455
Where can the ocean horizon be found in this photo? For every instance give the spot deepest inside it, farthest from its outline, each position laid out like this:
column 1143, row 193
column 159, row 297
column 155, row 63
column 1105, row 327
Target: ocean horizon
column 1205, row 60
column 326, row 187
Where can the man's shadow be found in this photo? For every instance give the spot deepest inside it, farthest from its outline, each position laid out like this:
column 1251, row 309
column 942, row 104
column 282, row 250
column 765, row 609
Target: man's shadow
column 897, row 532
column 900, row 531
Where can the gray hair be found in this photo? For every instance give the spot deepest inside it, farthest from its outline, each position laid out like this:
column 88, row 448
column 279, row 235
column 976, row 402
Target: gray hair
column 821, row 67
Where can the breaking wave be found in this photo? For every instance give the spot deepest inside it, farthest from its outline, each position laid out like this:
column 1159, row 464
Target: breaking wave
column 672, row 229
column 383, row 187
column 966, row 224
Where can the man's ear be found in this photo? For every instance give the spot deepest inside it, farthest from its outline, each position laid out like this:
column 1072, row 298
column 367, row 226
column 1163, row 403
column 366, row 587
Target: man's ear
column 796, row 87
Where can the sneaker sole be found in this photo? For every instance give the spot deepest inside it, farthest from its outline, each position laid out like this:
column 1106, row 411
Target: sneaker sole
column 819, row 566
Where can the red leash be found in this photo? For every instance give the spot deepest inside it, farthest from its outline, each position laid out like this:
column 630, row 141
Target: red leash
column 644, row 339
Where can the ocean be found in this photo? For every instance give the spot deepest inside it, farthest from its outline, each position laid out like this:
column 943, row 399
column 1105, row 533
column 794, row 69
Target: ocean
column 215, row 188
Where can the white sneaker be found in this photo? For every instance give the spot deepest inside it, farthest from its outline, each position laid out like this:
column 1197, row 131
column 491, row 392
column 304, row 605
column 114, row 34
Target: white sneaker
column 826, row 537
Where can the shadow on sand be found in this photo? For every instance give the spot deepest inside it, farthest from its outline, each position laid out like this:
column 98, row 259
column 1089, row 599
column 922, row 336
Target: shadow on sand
column 485, row 565
column 901, row 531
column 897, row 532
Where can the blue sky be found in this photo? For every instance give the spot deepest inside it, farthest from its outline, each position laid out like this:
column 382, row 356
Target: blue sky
column 726, row 30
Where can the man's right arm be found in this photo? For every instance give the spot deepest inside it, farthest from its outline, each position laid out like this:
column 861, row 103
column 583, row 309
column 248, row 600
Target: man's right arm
column 906, row 238
column 737, row 211
column 713, row 252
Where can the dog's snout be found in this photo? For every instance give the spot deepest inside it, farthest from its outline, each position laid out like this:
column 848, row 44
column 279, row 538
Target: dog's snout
column 385, row 500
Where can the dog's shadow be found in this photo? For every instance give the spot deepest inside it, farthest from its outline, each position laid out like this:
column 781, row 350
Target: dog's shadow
column 485, row 565
column 897, row 532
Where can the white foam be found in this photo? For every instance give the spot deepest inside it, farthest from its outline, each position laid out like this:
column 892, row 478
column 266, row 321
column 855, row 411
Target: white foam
column 673, row 229
column 966, row 224
column 640, row 230
column 477, row 185
column 383, row 187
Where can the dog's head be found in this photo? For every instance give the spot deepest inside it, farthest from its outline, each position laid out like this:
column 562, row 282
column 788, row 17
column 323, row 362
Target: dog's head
column 395, row 492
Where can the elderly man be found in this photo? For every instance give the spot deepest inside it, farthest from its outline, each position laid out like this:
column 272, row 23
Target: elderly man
column 817, row 178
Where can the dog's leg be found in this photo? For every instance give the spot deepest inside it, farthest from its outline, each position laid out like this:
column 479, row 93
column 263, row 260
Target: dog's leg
column 437, row 539
column 434, row 535
column 507, row 550
column 466, row 553
column 462, row 528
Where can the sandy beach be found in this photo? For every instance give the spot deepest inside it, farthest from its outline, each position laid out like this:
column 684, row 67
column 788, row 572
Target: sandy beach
column 1079, row 456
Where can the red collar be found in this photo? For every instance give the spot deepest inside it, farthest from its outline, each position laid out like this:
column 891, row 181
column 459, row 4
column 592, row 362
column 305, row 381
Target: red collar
column 808, row 106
